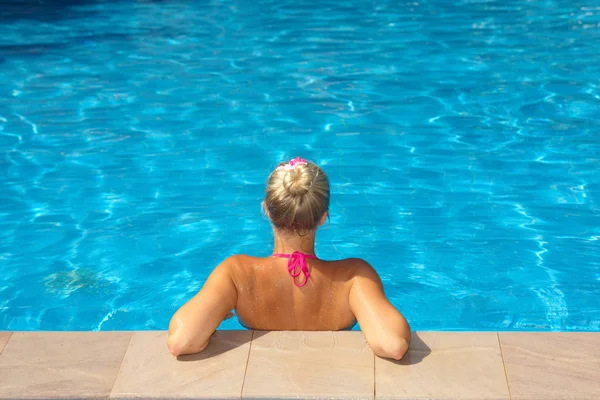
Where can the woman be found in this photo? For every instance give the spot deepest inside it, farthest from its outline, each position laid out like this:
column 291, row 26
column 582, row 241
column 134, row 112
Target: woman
column 293, row 289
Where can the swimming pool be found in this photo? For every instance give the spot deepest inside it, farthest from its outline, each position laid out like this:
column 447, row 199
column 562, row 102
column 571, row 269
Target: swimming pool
column 462, row 141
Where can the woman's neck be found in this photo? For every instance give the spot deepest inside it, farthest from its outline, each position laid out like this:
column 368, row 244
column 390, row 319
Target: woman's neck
column 287, row 243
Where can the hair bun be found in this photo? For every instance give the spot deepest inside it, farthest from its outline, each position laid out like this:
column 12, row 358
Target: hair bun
column 297, row 196
column 297, row 181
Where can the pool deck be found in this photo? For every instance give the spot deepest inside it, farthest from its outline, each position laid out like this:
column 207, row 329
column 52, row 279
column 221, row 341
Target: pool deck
column 299, row 365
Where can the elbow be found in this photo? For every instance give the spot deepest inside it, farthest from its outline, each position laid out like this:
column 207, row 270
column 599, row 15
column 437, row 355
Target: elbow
column 179, row 347
column 398, row 349
column 394, row 348
column 175, row 346
column 176, row 341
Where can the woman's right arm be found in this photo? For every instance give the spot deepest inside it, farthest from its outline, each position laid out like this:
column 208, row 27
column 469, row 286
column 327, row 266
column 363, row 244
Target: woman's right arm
column 385, row 329
column 193, row 324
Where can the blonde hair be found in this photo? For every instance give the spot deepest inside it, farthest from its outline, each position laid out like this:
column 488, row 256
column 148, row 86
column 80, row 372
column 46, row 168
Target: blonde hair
column 297, row 197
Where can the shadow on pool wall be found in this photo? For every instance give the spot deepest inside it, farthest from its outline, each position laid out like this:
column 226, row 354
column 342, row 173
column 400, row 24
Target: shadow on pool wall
column 50, row 10
column 43, row 11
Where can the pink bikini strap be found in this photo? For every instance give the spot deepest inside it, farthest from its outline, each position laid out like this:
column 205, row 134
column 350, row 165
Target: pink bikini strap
column 297, row 264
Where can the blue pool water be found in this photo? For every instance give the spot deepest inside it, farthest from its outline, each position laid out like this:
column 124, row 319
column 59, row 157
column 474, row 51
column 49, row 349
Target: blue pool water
column 462, row 140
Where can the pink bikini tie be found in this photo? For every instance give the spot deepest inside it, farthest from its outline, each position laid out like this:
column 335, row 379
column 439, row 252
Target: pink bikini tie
column 297, row 264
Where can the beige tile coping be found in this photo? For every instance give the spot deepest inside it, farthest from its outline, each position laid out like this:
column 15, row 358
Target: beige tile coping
column 309, row 365
column 445, row 365
column 552, row 365
column 299, row 365
column 40, row 365
column 149, row 371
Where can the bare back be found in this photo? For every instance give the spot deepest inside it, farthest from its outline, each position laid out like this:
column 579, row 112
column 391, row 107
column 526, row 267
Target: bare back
column 268, row 299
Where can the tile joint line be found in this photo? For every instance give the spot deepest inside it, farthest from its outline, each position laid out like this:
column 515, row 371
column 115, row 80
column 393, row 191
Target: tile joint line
column 10, row 335
column 504, row 365
column 247, row 362
column 121, row 364
column 374, row 377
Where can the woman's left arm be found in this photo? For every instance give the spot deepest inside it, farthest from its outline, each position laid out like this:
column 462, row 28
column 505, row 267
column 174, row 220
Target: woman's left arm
column 194, row 323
